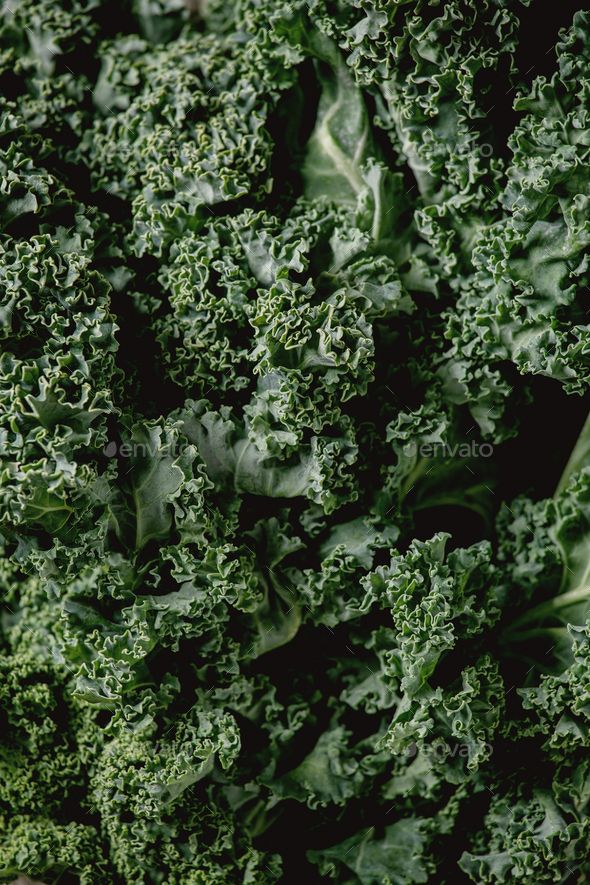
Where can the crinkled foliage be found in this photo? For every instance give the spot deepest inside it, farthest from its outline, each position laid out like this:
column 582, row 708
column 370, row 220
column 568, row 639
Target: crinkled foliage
column 289, row 293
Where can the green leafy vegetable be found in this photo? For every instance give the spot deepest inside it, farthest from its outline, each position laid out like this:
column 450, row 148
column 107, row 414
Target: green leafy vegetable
column 294, row 446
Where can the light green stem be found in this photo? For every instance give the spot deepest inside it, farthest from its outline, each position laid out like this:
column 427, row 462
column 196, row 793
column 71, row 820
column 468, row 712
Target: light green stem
column 579, row 594
column 579, row 458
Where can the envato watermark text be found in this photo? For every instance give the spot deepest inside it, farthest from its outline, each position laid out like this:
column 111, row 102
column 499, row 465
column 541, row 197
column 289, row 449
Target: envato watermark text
column 472, row 449
column 441, row 750
column 175, row 449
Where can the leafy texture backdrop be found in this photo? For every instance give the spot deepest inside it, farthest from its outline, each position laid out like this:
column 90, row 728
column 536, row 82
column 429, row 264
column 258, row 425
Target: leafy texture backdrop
column 295, row 340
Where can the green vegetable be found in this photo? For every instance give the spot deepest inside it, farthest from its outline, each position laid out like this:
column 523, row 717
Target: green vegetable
column 294, row 448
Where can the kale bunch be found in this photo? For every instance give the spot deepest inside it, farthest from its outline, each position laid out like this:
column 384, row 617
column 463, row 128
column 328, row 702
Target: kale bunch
column 294, row 457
